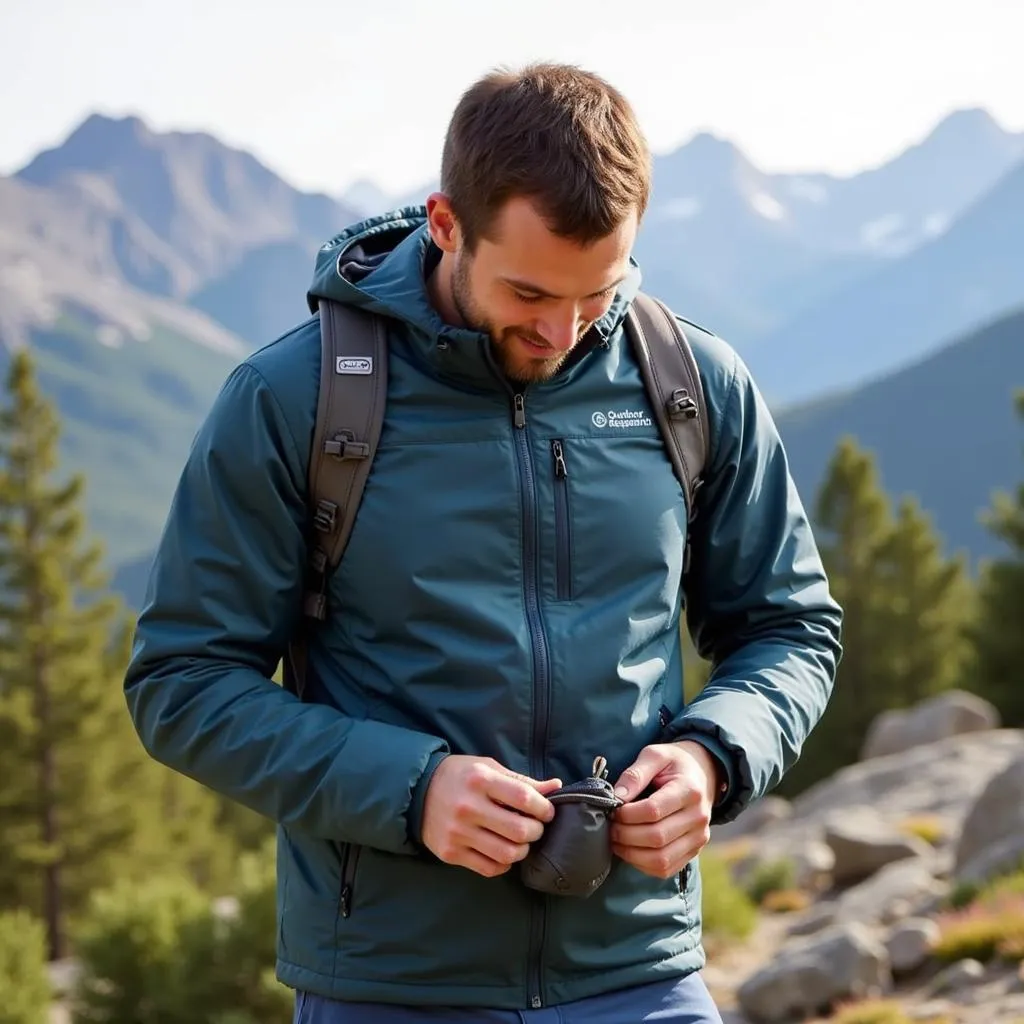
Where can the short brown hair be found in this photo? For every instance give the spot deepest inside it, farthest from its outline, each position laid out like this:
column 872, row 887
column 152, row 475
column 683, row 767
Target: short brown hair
column 555, row 134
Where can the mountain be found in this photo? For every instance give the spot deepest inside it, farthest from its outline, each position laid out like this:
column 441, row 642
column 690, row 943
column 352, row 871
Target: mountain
column 902, row 310
column 910, row 199
column 942, row 429
column 141, row 266
column 131, row 372
column 745, row 251
column 188, row 212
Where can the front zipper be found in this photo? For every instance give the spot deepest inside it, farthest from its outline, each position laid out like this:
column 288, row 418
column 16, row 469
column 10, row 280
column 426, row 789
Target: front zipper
column 541, row 671
column 563, row 562
column 349, row 860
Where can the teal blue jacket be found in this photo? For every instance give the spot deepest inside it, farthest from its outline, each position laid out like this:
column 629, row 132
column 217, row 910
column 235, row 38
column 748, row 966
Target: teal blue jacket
column 488, row 603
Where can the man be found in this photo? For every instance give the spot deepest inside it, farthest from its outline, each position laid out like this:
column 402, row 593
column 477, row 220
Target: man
column 507, row 609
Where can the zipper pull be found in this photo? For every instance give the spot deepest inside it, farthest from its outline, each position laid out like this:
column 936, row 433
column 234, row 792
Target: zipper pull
column 520, row 406
column 561, row 469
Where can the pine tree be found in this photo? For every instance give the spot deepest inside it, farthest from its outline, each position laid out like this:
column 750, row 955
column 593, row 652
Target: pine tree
column 998, row 630
column 853, row 523
column 927, row 604
column 67, row 803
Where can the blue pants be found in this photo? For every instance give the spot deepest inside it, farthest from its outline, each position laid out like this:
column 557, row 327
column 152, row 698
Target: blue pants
column 676, row 1001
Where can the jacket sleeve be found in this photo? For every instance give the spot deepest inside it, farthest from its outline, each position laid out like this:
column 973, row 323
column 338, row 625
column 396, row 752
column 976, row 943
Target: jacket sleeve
column 758, row 602
column 223, row 596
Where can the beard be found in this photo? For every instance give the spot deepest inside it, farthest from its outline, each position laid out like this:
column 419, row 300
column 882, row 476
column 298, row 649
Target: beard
column 517, row 367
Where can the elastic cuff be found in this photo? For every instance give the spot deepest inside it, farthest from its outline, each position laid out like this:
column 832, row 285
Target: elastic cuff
column 419, row 796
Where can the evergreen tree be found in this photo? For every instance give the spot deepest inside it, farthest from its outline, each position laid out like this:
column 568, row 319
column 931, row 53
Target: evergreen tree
column 998, row 630
column 905, row 609
column 853, row 522
column 927, row 604
column 68, row 761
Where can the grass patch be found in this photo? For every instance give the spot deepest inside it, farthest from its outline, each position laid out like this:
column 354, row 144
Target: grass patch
column 928, row 827
column 727, row 910
column 785, row 901
column 988, row 929
column 769, row 877
column 879, row 1011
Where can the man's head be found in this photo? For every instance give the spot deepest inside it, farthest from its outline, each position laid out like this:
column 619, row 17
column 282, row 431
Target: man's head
column 545, row 176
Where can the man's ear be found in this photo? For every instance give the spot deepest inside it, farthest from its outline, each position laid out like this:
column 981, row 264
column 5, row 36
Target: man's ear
column 442, row 223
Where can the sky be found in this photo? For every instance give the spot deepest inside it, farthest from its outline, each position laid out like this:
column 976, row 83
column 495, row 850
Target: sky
column 327, row 93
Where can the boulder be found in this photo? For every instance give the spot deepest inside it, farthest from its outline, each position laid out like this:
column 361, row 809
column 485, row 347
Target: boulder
column 862, row 842
column 910, row 943
column 992, row 837
column 844, row 962
column 951, row 713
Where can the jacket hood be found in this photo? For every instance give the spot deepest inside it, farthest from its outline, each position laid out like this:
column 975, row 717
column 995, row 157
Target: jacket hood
column 382, row 263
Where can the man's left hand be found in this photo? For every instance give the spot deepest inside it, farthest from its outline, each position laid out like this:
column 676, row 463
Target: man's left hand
column 660, row 834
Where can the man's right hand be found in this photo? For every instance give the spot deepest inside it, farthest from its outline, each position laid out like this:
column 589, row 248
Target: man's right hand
column 482, row 816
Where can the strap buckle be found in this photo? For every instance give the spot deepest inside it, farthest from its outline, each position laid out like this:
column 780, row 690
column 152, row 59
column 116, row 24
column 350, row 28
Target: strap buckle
column 681, row 402
column 345, row 446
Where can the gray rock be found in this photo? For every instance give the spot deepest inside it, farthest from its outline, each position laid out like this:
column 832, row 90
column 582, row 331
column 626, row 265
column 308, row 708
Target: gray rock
column 843, row 962
column 766, row 811
column 956, row 976
column 907, row 884
column 910, row 944
column 952, row 713
column 992, row 837
column 862, row 842
column 817, row 917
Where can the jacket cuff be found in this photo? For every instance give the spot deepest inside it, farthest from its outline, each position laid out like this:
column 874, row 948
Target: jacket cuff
column 419, row 796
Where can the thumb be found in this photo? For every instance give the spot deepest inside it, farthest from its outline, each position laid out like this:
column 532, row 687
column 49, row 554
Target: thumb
column 639, row 775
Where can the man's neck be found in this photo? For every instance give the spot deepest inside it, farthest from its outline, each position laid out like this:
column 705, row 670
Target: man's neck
column 439, row 290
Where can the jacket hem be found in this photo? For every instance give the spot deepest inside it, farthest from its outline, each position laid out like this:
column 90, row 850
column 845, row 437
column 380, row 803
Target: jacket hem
column 503, row 997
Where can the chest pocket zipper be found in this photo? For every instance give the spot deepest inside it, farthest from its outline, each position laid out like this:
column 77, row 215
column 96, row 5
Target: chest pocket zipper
column 563, row 540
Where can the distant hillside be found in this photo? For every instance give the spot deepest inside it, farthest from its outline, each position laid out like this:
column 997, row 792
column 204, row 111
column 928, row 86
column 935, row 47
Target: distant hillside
column 943, row 429
column 972, row 272
column 203, row 205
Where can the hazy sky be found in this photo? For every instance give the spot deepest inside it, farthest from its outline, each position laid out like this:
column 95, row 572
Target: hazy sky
column 328, row 92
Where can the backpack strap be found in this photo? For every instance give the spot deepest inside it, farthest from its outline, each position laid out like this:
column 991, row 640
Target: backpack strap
column 349, row 418
column 673, row 383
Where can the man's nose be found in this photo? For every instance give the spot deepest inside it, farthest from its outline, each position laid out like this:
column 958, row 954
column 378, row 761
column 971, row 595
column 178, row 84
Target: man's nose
column 560, row 331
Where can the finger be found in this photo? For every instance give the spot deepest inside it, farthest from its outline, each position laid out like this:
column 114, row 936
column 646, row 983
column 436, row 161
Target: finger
column 663, row 862
column 673, row 796
column 510, row 825
column 497, row 848
column 519, row 794
column 660, row 833
column 476, row 861
column 639, row 775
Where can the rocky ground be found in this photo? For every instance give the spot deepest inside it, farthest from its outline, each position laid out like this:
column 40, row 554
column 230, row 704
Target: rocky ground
column 935, row 803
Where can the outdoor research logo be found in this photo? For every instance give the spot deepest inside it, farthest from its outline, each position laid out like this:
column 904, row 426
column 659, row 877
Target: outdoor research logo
column 354, row 364
column 620, row 420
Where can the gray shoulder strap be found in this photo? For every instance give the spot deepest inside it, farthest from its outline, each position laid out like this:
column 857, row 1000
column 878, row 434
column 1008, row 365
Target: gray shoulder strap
column 673, row 383
column 349, row 418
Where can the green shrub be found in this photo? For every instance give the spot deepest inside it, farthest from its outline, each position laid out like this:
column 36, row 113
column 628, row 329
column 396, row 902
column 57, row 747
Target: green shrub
column 24, row 979
column 160, row 953
column 728, row 912
column 988, row 930
column 770, row 876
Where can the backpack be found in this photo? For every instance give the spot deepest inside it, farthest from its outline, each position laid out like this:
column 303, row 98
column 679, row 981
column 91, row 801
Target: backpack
column 350, row 416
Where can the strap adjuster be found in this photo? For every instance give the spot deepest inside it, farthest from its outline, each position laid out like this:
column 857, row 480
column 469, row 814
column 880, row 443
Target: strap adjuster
column 681, row 402
column 345, row 446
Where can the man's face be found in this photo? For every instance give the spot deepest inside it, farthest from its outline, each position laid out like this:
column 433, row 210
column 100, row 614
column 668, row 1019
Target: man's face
column 534, row 293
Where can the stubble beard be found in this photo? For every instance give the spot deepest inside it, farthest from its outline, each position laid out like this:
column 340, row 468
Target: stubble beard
column 527, row 371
